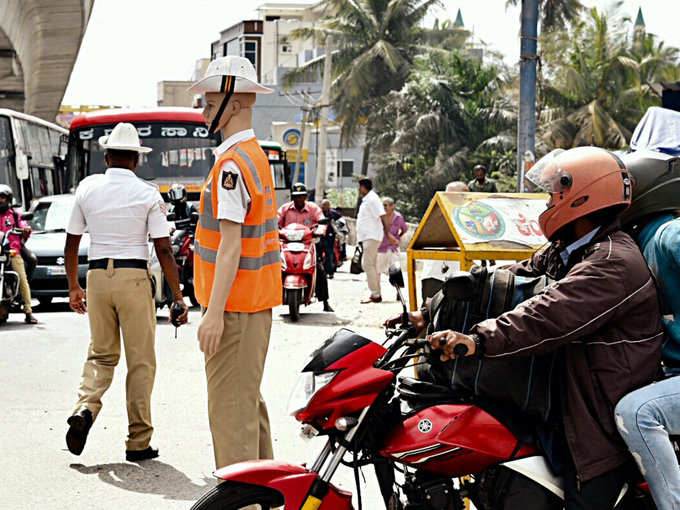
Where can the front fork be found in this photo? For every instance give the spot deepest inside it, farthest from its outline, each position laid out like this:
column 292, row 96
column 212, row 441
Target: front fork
column 321, row 485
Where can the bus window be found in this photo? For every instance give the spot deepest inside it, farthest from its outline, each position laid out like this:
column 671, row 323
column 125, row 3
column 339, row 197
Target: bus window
column 7, row 171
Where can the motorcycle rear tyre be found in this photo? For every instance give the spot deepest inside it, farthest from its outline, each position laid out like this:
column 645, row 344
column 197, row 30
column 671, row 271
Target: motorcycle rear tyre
column 294, row 305
column 233, row 496
column 4, row 312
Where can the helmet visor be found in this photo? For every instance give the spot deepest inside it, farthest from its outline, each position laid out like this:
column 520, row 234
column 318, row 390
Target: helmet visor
column 547, row 175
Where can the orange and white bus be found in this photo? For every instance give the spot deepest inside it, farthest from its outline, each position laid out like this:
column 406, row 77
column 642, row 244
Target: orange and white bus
column 182, row 147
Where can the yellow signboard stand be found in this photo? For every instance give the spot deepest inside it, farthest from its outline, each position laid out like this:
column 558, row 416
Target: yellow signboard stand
column 476, row 226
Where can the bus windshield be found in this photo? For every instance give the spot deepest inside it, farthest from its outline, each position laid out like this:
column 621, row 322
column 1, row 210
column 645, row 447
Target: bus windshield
column 182, row 152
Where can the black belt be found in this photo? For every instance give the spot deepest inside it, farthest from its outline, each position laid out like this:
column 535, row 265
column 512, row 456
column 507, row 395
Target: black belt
column 118, row 263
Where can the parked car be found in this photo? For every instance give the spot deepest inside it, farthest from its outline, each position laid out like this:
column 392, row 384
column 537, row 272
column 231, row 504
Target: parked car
column 50, row 219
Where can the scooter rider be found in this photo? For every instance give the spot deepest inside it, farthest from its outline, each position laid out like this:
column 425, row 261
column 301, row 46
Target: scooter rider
column 10, row 219
column 177, row 194
column 299, row 210
column 646, row 417
column 603, row 313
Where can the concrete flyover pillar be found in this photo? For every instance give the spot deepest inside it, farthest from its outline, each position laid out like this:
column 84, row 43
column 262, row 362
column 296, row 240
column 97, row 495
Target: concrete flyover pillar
column 39, row 43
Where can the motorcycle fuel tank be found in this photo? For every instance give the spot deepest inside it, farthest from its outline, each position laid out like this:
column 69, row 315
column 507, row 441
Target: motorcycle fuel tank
column 452, row 440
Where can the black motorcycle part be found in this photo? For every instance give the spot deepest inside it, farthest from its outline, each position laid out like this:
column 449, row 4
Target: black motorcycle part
column 425, row 491
column 336, row 347
column 500, row 488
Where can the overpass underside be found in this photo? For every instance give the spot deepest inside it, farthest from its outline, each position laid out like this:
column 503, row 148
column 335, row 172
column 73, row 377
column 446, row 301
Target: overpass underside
column 39, row 43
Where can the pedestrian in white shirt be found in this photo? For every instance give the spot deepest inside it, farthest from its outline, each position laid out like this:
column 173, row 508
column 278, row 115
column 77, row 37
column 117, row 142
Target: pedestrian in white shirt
column 372, row 227
column 120, row 211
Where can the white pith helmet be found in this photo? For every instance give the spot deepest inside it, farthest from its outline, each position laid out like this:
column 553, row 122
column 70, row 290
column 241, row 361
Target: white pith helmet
column 219, row 72
column 124, row 137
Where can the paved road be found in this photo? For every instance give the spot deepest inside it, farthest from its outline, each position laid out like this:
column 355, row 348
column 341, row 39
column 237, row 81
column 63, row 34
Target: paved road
column 40, row 369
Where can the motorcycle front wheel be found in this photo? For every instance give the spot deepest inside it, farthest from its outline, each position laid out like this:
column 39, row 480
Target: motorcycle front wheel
column 4, row 312
column 294, row 304
column 235, row 496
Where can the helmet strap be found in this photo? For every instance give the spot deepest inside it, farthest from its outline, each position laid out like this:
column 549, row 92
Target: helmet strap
column 227, row 86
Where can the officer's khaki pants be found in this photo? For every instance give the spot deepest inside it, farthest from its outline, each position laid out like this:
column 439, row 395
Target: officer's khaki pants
column 120, row 300
column 18, row 267
column 369, row 263
column 238, row 415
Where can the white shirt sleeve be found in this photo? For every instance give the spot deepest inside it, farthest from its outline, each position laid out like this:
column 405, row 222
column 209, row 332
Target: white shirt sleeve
column 233, row 198
column 156, row 221
column 77, row 223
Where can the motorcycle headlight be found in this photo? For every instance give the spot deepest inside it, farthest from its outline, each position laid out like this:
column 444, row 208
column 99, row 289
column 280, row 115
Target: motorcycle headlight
column 295, row 235
column 308, row 261
column 284, row 266
column 307, row 385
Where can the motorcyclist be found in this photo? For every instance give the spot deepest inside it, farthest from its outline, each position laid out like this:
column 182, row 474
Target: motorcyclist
column 177, row 194
column 602, row 314
column 646, row 417
column 328, row 241
column 10, row 219
column 299, row 210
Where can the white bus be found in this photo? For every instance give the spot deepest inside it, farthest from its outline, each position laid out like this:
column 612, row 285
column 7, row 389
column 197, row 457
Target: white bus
column 31, row 151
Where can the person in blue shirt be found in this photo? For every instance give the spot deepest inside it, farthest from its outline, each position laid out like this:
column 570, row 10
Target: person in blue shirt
column 646, row 417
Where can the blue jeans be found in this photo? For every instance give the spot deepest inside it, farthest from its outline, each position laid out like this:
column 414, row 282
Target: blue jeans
column 645, row 418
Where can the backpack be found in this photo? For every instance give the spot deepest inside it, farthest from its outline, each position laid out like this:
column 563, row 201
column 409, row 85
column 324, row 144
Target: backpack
column 525, row 383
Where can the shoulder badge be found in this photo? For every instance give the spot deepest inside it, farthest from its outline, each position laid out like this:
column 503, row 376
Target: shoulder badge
column 229, row 180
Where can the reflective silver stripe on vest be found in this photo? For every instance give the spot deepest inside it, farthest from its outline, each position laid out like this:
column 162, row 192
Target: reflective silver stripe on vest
column 250, row 164
column 255, row 263
column 207, row 219
column 206, row 254
column 255, row 231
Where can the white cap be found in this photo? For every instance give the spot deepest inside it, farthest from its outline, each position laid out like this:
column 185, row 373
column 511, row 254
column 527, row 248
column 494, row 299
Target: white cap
column 215, row 79
column 124, row 137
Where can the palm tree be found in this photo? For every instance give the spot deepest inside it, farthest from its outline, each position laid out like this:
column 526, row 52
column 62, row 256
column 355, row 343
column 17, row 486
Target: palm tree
column 375, row 43
column 555, row 14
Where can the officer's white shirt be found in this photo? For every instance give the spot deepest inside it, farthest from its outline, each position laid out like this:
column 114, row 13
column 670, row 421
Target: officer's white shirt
column 233, row 200
column 369, row 224
column 120, row 211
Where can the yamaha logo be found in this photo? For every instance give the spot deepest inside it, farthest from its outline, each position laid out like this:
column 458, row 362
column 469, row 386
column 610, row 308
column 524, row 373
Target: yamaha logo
column 424, row 426
column 60, row 261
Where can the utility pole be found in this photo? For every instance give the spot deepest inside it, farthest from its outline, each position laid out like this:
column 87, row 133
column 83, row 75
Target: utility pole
column 323, row 134
column 526, row 124
column 298, row 157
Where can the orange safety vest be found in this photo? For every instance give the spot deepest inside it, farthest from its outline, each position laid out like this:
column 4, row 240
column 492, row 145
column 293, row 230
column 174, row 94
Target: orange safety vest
column 257, row 285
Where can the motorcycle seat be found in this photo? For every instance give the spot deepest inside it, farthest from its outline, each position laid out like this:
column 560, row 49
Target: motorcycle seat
column 415, row 390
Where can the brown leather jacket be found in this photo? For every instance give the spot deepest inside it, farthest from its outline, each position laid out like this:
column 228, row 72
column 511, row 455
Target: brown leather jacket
column 605, row 312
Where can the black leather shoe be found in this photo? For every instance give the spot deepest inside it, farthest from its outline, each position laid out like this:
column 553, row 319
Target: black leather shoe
column 79, row 426
column 137, row 455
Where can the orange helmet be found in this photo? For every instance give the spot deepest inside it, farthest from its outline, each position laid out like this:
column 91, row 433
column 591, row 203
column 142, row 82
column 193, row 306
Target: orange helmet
column 580, row 181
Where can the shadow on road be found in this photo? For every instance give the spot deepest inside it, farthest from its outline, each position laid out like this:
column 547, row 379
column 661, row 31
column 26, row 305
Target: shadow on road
column 148, row 477
column 16, row 325
column 316, row 319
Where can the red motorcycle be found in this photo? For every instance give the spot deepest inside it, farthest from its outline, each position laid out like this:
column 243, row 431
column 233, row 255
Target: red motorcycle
column 298, row 264
column 446, row 447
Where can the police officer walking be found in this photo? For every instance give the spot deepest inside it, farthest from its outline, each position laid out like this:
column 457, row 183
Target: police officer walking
column 121, row 211
column 237, row 269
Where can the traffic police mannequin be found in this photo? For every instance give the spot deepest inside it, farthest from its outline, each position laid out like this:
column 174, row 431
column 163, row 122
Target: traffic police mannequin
column 237, row 269
column 120, row 212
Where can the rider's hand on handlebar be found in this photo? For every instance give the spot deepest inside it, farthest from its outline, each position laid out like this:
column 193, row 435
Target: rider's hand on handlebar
column 415, row 318
column 446, row 341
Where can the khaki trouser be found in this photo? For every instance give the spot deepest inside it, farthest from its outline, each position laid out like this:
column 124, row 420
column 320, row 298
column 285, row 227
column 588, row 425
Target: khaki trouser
column 17, row 264
column 369, row 263
column 120, row 299
column 238, row 415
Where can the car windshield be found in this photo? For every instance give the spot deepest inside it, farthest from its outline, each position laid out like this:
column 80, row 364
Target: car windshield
column 52, row 216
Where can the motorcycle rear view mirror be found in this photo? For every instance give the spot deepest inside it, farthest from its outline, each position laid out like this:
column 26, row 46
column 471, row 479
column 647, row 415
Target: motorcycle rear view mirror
column 460, row 286
column 27, row 216
column 324, row 221
column 171, row 216
column 396, row 277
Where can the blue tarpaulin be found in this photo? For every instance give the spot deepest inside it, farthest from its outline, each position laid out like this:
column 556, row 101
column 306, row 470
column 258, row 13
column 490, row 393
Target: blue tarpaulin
column 658, row 130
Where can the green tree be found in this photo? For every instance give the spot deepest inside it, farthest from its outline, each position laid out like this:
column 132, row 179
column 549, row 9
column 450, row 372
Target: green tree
column 375, row 44
column 451, row 114
column 555, row 14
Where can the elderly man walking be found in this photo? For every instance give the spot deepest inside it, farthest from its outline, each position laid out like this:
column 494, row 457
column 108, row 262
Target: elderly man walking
column 372, row 227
